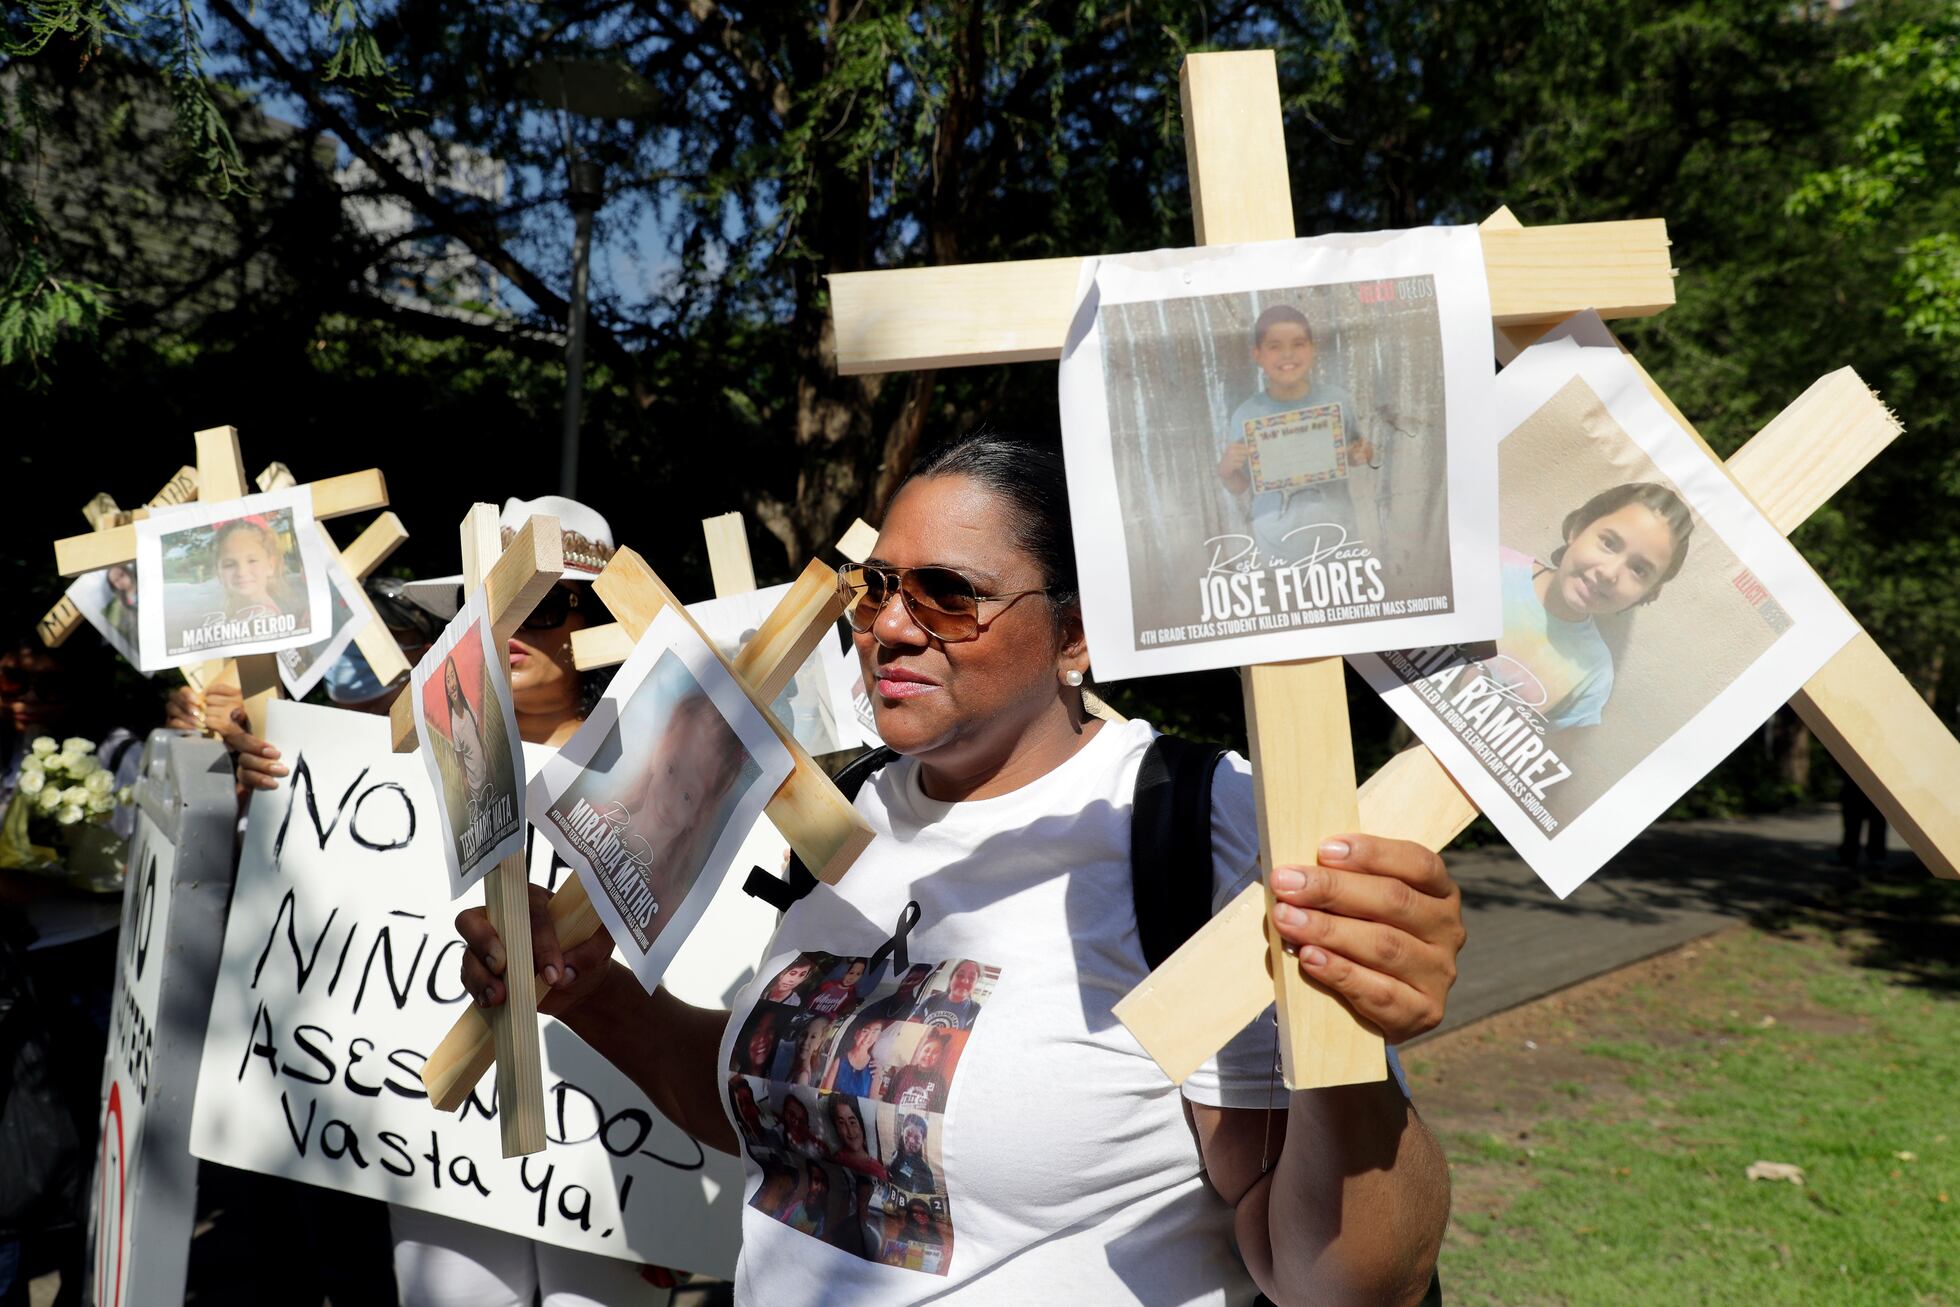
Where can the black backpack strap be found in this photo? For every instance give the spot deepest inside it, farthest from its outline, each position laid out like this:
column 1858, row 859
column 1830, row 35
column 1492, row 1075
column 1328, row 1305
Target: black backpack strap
column 1170, row 844
column 780, row 893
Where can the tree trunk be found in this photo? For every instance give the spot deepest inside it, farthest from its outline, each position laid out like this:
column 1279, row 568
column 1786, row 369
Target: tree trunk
column 1790, row 739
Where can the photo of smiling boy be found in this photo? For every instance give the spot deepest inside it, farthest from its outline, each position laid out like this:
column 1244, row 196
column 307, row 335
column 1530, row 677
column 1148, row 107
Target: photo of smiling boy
column 1621, row 546
column 1291, row 399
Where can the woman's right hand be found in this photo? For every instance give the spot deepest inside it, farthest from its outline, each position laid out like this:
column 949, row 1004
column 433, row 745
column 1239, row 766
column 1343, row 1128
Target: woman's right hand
column 218, row 709
column 569, row 975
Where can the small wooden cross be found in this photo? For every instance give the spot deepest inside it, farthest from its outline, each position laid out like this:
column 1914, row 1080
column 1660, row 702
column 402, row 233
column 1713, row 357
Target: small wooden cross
column 64, row 619
column 1296, row 713
column 514, row 579
column 371, row 548
column 817, row 821
column 220, row 476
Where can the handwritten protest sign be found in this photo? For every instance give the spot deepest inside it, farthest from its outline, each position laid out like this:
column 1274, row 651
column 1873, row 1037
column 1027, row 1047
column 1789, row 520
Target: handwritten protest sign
column 340, row 975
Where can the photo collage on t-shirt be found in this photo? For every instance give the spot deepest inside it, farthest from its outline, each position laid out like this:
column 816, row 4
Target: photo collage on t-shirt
column 839, row 1081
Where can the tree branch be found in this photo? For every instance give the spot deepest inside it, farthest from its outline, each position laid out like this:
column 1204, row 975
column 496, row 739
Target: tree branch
column 439, row 215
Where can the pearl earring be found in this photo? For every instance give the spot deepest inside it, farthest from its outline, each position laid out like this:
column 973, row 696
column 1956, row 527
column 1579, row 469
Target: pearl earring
column 1072, row 677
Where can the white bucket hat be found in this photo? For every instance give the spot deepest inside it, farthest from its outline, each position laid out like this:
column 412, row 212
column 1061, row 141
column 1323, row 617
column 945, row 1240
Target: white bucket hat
column 588, row 542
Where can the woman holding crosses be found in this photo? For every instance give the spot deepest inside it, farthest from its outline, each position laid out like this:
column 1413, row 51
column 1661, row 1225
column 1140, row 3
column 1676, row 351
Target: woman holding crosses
column 1059, row 1164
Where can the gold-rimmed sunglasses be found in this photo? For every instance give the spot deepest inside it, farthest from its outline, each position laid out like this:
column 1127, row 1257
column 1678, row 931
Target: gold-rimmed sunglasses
column 944, row 603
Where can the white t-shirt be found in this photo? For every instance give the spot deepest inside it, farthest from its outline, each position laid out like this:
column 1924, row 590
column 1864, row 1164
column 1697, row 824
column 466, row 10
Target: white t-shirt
column 1019, row 1145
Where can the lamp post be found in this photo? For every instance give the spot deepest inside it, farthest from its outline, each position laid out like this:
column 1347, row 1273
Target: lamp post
column 589, row 88
column 588, row 193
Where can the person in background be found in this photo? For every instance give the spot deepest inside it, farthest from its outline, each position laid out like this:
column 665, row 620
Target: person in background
column 1863, row 823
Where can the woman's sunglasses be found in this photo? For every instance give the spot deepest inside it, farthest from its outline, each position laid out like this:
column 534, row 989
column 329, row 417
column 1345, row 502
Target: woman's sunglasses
column 943, row 602
column 552, row 610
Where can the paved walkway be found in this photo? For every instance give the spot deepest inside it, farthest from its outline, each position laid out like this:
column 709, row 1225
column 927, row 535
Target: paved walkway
column 1674, row 883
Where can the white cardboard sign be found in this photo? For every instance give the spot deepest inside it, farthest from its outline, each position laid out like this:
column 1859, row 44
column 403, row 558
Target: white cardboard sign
column 340, row 974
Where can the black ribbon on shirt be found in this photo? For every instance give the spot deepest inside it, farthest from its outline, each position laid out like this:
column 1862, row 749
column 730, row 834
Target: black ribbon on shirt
column 894, row 948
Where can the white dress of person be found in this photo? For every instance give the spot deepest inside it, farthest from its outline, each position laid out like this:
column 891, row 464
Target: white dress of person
column 1057, row 1165
column 466, row 734
column 444, row 1262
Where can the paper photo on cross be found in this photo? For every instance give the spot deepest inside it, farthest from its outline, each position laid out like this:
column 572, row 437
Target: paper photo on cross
column 108, row 600
column 243, row 576
column 816, row 706
column 301, row 668
column 470, row 744
column 1653, row 619
column 1281, row 450
column 653, row 796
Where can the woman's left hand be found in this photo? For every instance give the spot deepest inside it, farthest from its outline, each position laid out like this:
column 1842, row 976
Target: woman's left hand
column 1380, row 923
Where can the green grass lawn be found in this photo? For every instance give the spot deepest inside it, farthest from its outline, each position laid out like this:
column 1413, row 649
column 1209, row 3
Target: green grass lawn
column 1607, row 1164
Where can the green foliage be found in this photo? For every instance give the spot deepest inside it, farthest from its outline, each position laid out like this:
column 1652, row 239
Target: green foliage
column 1901, row 170
column 1802, row 155
column 357, row 58
column 82, row 23
column 37, row 309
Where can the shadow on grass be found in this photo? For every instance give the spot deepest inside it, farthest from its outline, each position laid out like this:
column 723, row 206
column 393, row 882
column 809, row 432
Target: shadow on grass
column 1898, row 919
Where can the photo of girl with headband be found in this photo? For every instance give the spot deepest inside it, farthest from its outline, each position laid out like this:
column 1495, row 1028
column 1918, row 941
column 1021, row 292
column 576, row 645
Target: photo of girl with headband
column 250, row 562
column 238, row 577
column 1618, row 550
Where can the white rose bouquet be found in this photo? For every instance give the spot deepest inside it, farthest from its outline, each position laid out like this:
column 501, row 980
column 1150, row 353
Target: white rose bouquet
column 58, row 820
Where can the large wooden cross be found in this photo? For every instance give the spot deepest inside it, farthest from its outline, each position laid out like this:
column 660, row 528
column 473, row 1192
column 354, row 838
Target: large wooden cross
column 1296, row 713
column 816, row 820
column 220, row 475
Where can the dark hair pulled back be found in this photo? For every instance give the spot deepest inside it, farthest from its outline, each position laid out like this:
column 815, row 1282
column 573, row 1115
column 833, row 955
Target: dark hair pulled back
column 1026, row 475
column 1663, row 502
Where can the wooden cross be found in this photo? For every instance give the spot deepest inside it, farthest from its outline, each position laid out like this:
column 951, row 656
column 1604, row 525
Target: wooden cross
column 1296, row 713
column 1867, row 714
column 730, row 569
column 64, row 619
column 817, row 821
column 371, row 548
column 514, row 579
column 220, row 475
column 1872, row 720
